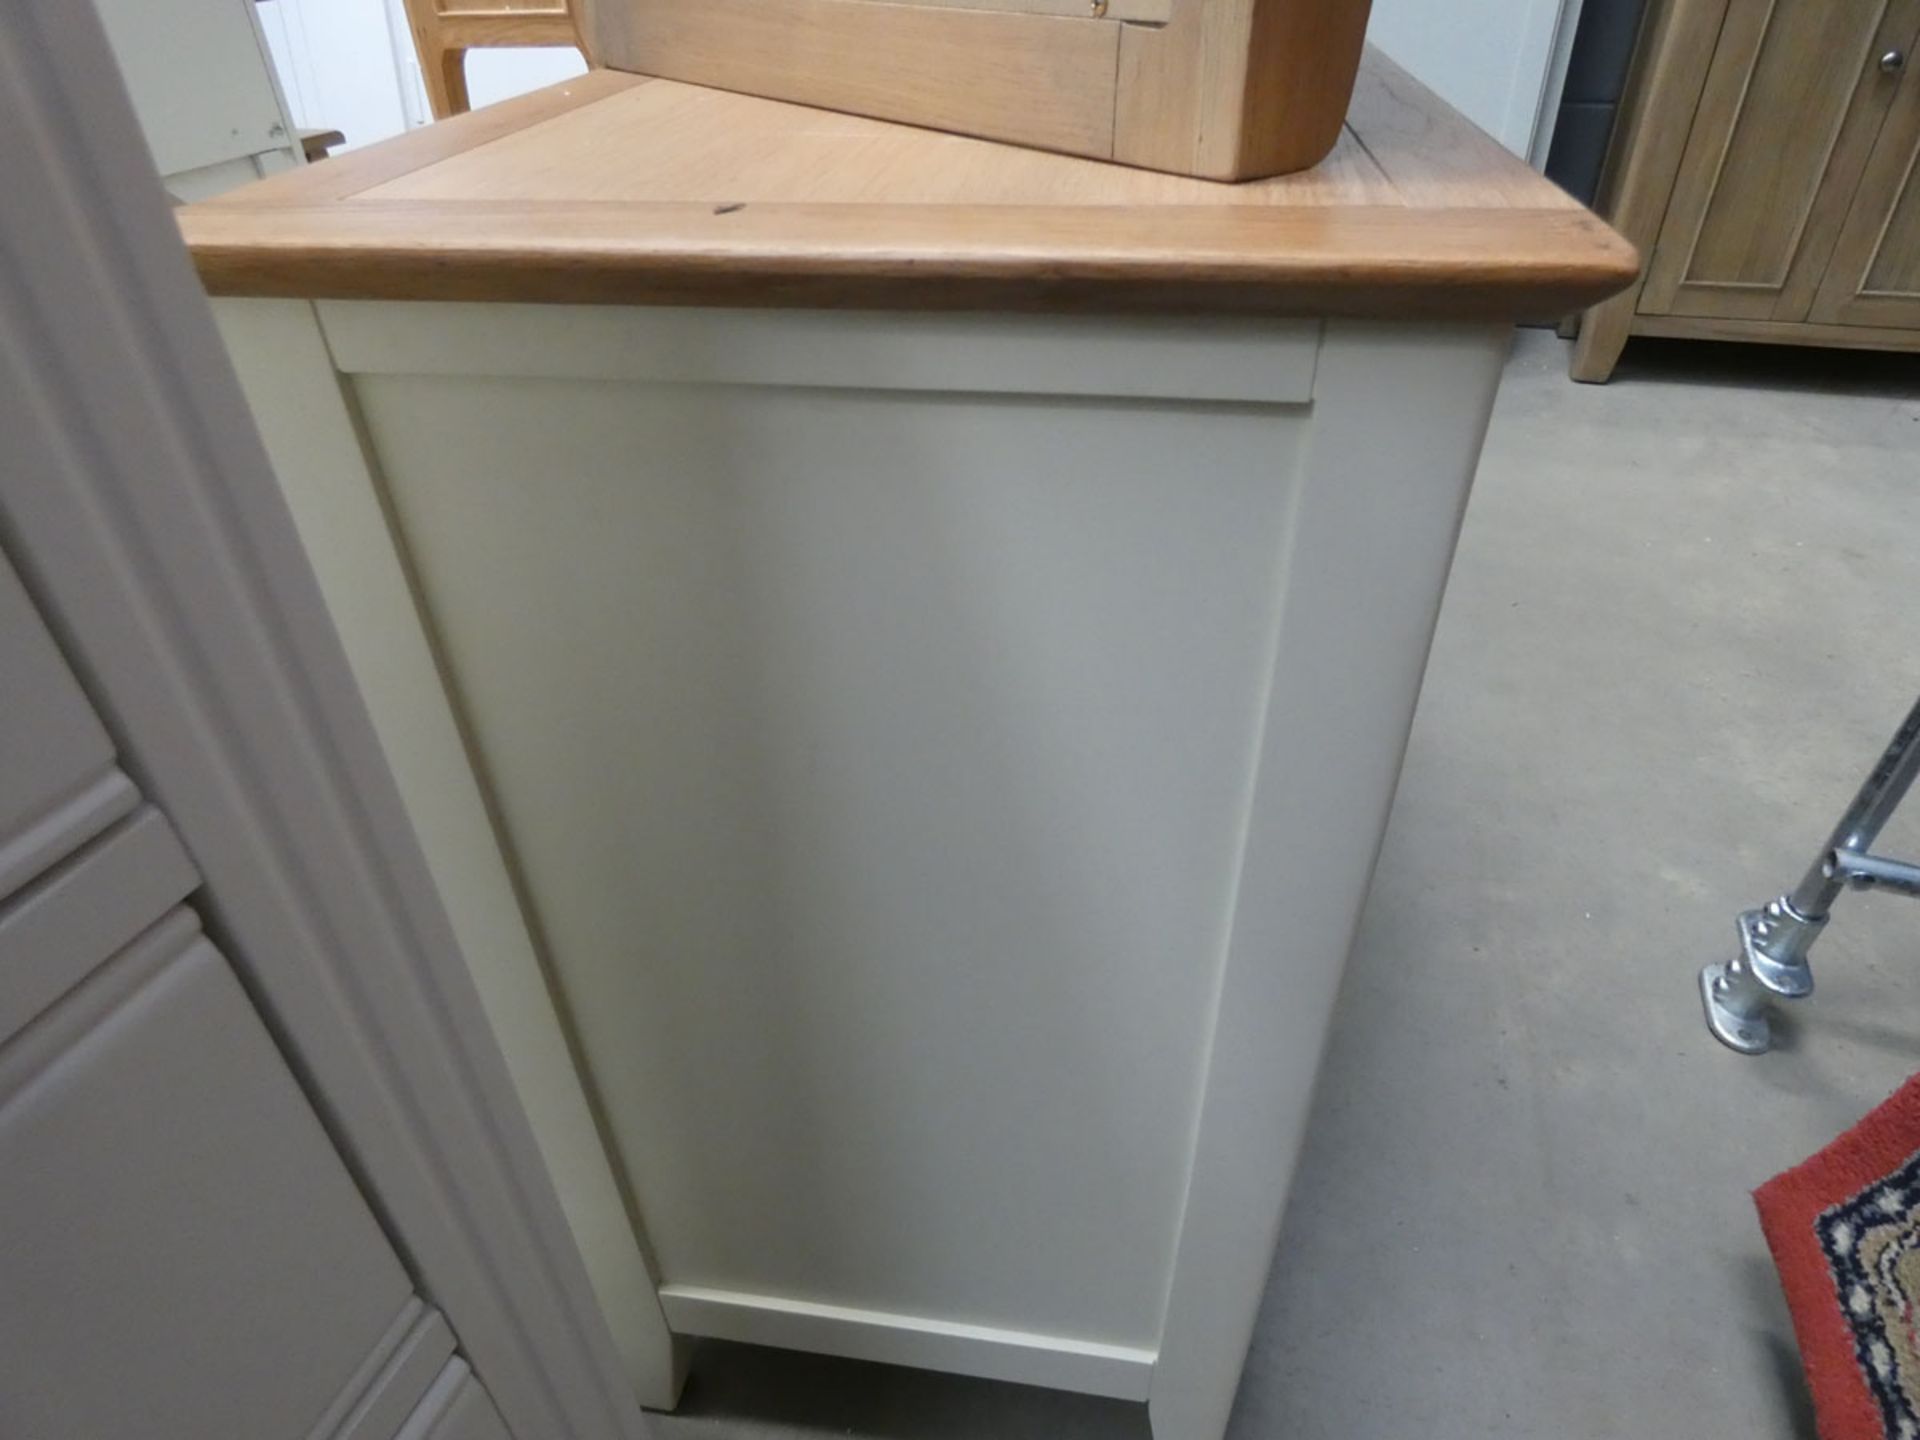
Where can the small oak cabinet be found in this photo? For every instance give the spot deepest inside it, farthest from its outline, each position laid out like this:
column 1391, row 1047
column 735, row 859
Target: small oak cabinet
column 1765, row 163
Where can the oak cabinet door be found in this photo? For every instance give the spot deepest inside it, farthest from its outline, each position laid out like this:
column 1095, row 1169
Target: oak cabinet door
column 1875, row 275
column 1794, row 99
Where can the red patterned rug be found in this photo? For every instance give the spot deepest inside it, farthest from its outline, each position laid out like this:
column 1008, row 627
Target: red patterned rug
column 1844, row 1228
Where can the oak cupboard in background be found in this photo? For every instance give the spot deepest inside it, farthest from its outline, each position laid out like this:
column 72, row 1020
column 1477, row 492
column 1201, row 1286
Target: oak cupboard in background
column 1765, row 160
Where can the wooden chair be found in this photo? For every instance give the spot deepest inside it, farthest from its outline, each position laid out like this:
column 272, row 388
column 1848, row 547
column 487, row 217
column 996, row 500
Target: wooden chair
column 444, row 30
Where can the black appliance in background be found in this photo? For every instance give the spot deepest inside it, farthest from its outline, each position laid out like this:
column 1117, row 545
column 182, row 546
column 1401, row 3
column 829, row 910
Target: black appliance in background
column 1596, row 78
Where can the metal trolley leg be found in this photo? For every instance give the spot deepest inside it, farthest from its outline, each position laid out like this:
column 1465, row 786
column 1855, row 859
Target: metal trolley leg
column 1774, row 941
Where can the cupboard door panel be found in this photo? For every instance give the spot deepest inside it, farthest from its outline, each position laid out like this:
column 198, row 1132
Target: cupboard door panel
column 456, row 1408
column 58, row 783
column 60, row 928
column 183, row 1255
column 396, row 1380
column 1793, row 101
column 1875, row 275
column 1895, row 271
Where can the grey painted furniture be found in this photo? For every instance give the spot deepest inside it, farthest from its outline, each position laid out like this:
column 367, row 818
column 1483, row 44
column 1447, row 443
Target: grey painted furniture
column 182, row 1250
column 261, row 1172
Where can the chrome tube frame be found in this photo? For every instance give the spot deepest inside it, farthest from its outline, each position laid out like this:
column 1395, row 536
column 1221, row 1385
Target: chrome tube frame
column 1772, row 963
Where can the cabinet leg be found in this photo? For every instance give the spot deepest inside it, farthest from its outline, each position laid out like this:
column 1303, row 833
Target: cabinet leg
column 1603, row 335
column 1188, row 1418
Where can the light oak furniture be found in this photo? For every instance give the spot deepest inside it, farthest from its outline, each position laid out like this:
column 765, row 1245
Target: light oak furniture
column 901, row 646
column 1765, row 160
column 1224, row 88
column 444, row 30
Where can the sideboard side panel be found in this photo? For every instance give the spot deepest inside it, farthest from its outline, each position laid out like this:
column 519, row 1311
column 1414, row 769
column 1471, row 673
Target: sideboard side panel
column 1398, row 418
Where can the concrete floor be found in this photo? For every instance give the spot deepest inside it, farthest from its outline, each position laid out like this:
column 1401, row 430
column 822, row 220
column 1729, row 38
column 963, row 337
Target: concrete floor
column 1685, row 616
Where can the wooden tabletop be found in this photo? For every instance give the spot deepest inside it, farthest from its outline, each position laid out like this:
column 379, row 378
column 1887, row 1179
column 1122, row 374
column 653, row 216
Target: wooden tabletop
column 617, row 188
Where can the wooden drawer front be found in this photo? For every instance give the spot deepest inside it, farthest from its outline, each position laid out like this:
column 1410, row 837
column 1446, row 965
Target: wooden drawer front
column 183, row 1255
column 58, row 783
column 1792, row 103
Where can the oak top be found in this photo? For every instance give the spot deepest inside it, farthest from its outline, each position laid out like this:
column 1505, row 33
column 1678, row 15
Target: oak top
column 618, row 188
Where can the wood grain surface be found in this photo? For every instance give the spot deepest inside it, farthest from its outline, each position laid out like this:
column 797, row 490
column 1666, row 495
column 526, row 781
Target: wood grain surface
column 1236, row 88
column 623, row 189
column 1228, row 89
column 822, row 158
column 1875, row 275
column 1773, row 158
column 906, row 62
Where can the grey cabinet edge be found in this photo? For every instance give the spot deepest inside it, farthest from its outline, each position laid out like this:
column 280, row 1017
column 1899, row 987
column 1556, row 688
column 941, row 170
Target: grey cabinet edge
column 397, row 1376
column 66, row 924
column 456, row 1408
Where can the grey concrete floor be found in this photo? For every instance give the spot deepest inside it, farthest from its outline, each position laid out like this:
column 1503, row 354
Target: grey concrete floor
column 1684, row 618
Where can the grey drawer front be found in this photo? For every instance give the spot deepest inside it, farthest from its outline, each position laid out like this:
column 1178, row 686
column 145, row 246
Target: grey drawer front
column 58, row 783
column 182, row 1252
column 71, row 919
column 394, row 1381
column 456, row 1408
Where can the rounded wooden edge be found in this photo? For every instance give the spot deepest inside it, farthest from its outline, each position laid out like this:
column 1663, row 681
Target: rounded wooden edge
column 1385, row 263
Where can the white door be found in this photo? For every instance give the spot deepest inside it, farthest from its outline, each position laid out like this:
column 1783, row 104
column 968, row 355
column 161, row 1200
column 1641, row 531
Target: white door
column 349, row 65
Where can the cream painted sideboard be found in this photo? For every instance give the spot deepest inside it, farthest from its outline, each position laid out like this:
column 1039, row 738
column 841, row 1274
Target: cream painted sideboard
column 898, row 650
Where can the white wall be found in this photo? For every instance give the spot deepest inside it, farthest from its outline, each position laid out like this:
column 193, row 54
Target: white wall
column 1500, row 62
column 337, row 66
column 500, row 74
column 349, row 65
column 203, row 89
